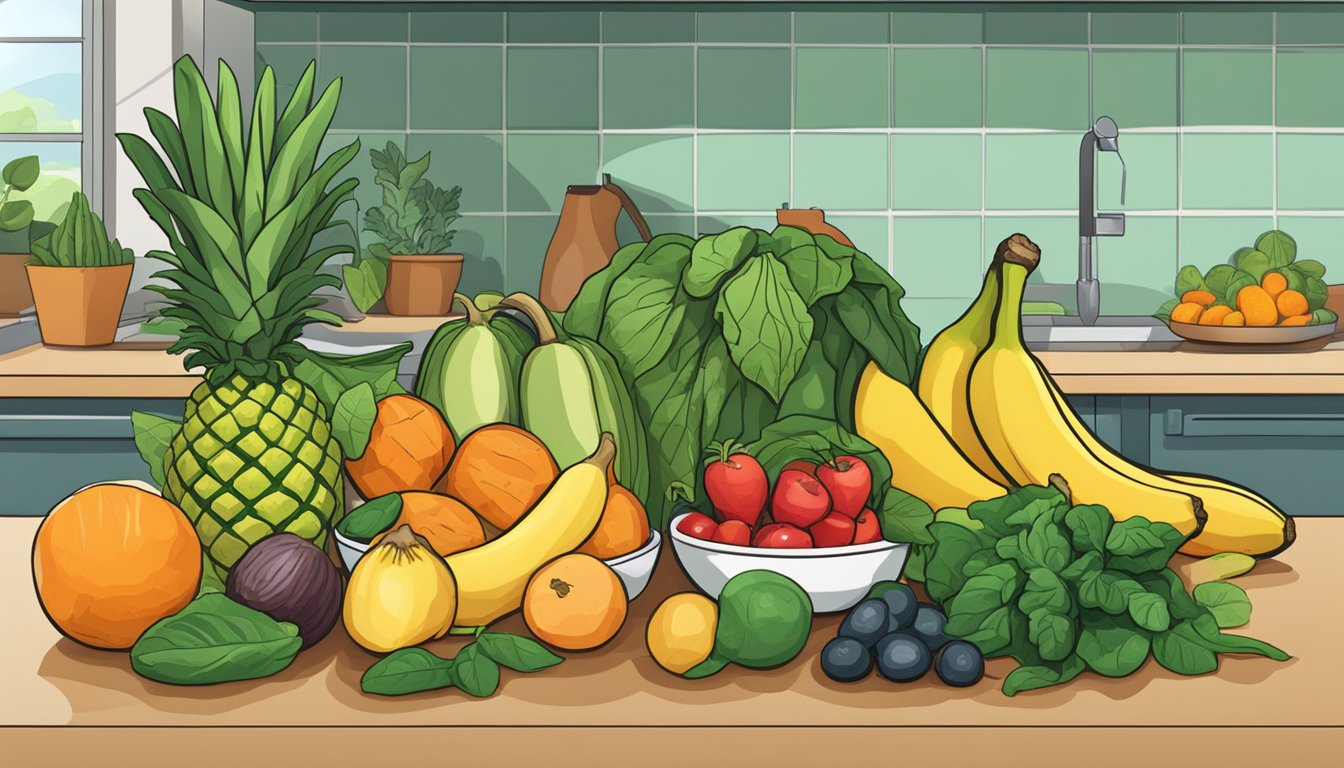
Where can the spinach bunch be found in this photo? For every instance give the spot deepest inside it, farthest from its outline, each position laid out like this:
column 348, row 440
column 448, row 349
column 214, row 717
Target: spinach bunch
column 474, row 670
column 1064, row 588
column 723, row 336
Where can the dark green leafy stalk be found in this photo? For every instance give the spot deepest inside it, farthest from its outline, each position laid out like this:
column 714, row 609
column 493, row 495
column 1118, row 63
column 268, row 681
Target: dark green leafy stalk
column 1063, row 589
column 80, row 240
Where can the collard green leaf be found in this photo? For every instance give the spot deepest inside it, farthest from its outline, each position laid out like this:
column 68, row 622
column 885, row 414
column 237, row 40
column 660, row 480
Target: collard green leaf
column 1183, row 651
column 352, row 419
column 1137, row 545
column 765, row 323
column 1189, row 279
column 904, row 517
column 1089, row 525
column 1278, row 246
column 1055, row 634
column 1253, row 262
column 1227, row 602
column 1112, row 646
column 714, row 257
column 517, row 653
column 1149, row 611
column 870, row 310
column 1033, row 677
column 214, row 640
column 409, row 670
column 475, row 672
column 371, row 518
column 643, row 313
column 815, row 274
column 153, row 435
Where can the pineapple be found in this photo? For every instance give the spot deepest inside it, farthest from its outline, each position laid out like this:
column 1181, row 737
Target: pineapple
column 255, row 453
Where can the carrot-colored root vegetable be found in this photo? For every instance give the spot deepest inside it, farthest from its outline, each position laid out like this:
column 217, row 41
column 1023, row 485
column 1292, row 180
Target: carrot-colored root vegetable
column 1296, row 320
column 1292, row 304
column 1258, row 306
column 1200, row 297
column 1187, row 312
column 1274, row 283
column 1234, row 319
column 409, row 449
column 1214, row 315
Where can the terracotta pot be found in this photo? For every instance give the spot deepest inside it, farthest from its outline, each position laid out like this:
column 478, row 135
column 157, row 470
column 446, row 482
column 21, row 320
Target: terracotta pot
column 79, row 306
column 15, row 295
column 422, row 285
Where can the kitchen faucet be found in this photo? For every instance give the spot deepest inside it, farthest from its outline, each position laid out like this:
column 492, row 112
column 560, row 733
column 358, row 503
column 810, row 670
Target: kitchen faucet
column 1104, row 135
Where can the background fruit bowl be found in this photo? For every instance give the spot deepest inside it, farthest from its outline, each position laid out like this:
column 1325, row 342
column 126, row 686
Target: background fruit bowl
column 1252, row 335
column 835, row 578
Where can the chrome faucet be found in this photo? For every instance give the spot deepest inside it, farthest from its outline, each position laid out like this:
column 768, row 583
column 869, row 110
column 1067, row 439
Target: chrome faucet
column 1104, row 136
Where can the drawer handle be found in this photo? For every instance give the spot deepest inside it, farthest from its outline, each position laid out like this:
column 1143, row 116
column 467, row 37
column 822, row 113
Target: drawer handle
column 1177, row 423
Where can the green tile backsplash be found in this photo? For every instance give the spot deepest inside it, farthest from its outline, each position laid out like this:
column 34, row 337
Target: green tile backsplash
column 927, row 131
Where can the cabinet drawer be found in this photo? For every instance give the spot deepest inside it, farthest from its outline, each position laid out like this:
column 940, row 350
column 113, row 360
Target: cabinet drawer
column 1288, row 448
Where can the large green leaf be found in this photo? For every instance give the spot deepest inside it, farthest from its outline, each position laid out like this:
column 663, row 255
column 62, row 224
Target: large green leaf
column 231, row 127
column 153, row 434
column 21, row 173
column 765, row 323
column 214, row 640
column 296, row 157
column 199, row 124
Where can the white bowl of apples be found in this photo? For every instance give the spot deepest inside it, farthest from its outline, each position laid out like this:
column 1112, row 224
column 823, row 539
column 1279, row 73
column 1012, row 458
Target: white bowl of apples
column 818, row 531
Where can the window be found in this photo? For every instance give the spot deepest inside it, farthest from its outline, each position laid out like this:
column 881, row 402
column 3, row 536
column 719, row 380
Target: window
column 48, row 71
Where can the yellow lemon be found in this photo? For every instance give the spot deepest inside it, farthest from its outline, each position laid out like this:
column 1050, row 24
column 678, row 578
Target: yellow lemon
column 681, row 631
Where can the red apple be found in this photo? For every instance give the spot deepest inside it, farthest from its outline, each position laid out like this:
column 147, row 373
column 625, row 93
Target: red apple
column 866, row 528
column 735, row 483
column 849, row 482
column 802, row 465
column 798, row 499
column 733, row 532
column 698, row 526
column 833, row 530
column 782, row 536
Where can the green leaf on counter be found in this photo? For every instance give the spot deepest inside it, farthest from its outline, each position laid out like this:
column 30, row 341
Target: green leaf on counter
column 475, row 673
column 406, row 671
column 1149, row 611
column 153, row 435
column 517, row 653
column 1227, row 602
column 214, row 640
column 1032, row 677
column 352, row 419
column 1181, row 650
column 765, row 323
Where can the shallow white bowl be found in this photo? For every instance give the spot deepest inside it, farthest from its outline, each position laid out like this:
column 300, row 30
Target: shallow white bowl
column 836, row 578
column 635, row 568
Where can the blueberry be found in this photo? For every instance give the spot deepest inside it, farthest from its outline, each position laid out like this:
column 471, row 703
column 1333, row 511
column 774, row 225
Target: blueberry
column 928, row 626
column 902, row 658
column 866, row 622
column 961, row 664
column 902, row 606
column 882, row 587
column 845, row 660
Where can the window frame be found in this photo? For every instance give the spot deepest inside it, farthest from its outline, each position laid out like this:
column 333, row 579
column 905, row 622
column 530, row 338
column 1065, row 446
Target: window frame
column 90, row 139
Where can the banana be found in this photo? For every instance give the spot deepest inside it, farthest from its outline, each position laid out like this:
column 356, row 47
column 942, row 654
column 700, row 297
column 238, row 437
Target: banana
column 924, row 462
column 946, row 369
column 1025, row 428
column 491, row 578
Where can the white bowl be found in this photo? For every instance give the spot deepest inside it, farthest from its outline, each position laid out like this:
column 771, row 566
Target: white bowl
column 836, row 578
column 635, row 568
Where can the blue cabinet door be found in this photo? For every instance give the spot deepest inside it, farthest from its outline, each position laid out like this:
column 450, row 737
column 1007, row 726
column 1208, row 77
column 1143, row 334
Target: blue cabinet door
column 1289, row 448
column 50, row 447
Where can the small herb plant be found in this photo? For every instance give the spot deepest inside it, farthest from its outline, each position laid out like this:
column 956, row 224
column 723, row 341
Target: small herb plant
column 18, row 175
column 80, row 240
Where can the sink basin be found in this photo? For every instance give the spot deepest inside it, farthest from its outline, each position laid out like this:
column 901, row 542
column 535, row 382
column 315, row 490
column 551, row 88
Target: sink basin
column 1067, row 329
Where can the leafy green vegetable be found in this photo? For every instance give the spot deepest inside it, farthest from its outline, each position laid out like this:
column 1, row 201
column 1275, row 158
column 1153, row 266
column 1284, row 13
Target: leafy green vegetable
column 475, row 672
column 1317, row 292
column 409, row 670
column 475, row 669
column 211, row 581
column 1189, row 279
column 1279, row 248
column 1323, row 317
column 1218, row 278
column 1227, row 602
column 1309, row 268
column 414, row 216
column 1064, row 588
column 517, row 653
column 352, row 419
column 371, row 518
column 214, row 640
column 715, row 257
column 1252, row 262
column 331, row 376
column 1239, row 280
column 765, row 323
column 153, row 434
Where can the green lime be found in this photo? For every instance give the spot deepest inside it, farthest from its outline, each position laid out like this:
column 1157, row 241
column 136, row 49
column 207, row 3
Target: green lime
column 764, row 620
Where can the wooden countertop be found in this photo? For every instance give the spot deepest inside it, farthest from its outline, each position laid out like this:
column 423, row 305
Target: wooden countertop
column 599, row 704
column 142, row 369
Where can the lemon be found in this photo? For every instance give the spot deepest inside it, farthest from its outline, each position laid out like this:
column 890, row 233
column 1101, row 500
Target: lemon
column 681, row 631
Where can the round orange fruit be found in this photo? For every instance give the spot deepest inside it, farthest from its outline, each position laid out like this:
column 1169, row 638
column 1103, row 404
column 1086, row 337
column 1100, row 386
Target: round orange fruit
column 575, row 602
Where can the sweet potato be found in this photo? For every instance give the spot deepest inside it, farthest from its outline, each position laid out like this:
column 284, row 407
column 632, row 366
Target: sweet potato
column 1214, row 315
column 1296, row 320
column 1202, row 298
column 1256, row 304
column 1274, row 283
column 500, row 471
column 1234, row 319
column 1292, row 304
column 1188, row 312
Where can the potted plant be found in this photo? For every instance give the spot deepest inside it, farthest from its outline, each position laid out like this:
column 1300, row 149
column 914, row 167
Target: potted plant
column 79, row 280
column 413, row 223
column 18, row 175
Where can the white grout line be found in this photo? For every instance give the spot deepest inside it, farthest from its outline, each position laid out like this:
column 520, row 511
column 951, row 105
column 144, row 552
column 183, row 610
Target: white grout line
column 793, row 102
column 504, row 150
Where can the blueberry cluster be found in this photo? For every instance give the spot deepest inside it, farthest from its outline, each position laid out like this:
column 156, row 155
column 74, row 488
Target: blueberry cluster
column 899, row 635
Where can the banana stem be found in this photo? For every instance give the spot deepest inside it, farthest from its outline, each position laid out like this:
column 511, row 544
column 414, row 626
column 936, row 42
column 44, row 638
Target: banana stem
column 535, row 312
column 605, row 453
column 1008, row 316
column 474, row 316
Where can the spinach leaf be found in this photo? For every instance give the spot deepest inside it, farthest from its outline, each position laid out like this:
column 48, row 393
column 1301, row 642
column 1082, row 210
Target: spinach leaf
column 1308, row 268
column 1317, row 292
column 1045, row 545
column 1086, row 565
column 714, row 257
column 1323, row 317
column 1240, row 279
column 1218, row 279
column 1054, row 633
column 1149, row 611
column 1029, row 678
column 1108, row 591
column 992, row 633
column 1227, row 602
column 214, row 640
column 765, row 323
column 1001, row 516
column 409, row 670
column 371, row 518
column 1045, row 590
column 1252, row 262
column 1112, row 646
column 1278, row 246
column 1137, row 545
column 517, row 653
column 1089, row 525
column 1181, row 650
column 1189, row 279
column 1215, row 640
column 954, row 546
column 475, row 672
column 904, row 517
column 1163, row 312
column 642, row 313
column 980, row 611
column 1168, row 585
column 153, row 435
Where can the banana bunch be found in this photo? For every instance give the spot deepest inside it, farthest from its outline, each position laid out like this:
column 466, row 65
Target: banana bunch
column 1009, row 424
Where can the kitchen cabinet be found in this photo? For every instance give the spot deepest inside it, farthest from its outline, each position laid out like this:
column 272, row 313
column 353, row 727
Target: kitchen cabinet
column 51, row 446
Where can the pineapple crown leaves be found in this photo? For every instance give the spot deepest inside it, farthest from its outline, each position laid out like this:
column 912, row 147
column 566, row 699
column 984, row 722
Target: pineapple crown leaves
column 415, row 215
column 240, row 210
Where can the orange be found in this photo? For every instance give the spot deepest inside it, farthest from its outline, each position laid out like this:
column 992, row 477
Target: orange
column 623, row 528
column 575, row 602
column 1234, row 319
column 1274, row 283
column 1214, row 315
column 409, row 449
column 1292, row 304
column 110, row 560
column 501, row 472
column 1296, row 320
column 446, row 523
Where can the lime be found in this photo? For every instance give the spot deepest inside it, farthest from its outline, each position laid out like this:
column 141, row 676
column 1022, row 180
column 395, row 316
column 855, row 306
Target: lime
column 681, row 631
column 764, row 621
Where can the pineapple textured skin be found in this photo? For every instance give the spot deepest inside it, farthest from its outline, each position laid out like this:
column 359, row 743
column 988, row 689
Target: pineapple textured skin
column 252, row 459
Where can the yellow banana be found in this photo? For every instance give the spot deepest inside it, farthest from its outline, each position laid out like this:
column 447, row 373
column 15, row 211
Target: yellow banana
column 491, row 578
column 947, row 368
column 1026, row 431
column 924, row 462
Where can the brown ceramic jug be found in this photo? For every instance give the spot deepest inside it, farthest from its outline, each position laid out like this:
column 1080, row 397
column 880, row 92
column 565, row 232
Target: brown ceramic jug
column 811, row 219
column 584, row 239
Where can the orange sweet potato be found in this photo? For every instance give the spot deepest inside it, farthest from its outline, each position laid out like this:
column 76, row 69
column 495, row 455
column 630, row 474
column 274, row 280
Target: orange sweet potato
column 1296, row 320
column 1292, row 303
column 1274, row 283
column 1234, row 319
column 1214, row 315
column 1202, row 298
column 1257, row 305
column 1188, row 312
